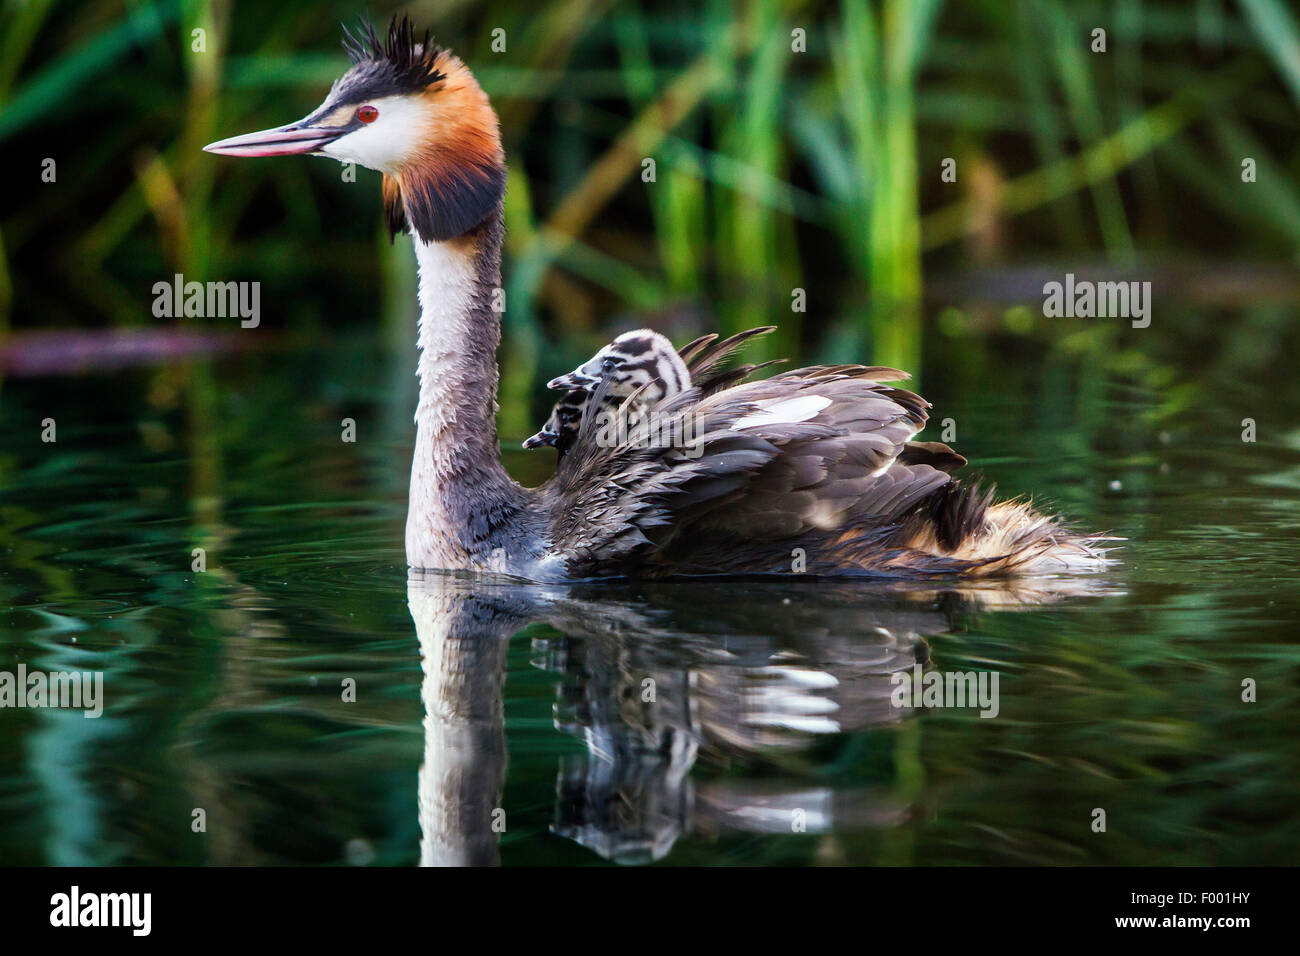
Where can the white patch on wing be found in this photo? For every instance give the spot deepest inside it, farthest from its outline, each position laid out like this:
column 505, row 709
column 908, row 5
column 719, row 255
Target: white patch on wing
column 885, row 467
column 785, row 411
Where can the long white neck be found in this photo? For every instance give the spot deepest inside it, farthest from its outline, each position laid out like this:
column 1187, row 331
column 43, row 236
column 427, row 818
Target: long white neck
column 463, row 508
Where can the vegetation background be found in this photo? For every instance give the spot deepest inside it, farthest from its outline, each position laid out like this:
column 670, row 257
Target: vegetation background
column 797, row 145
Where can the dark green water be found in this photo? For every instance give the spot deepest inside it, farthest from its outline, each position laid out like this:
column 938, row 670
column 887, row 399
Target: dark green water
column 479, row 703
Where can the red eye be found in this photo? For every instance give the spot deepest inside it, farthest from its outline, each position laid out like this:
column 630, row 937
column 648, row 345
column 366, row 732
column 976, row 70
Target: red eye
column 367, row 114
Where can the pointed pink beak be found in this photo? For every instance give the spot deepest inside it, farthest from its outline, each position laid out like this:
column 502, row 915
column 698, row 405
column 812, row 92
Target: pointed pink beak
column 288, row 140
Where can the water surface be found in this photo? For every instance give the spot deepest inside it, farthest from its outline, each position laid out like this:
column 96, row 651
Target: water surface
column 687, row 723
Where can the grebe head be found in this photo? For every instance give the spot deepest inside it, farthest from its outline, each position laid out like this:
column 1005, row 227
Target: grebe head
column 561, row 428
column 642, row 362
column 413, row 111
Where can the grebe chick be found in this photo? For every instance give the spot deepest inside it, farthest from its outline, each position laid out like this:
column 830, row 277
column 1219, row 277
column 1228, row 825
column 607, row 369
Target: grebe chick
column 561, row 427
column 641, row 363
column 701, row 357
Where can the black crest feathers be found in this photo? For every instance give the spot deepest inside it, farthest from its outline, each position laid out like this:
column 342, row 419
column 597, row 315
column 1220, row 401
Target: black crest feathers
column 407, row 60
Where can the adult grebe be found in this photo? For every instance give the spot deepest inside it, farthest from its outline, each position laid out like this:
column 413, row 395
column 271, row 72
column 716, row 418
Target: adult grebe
column 813, row 470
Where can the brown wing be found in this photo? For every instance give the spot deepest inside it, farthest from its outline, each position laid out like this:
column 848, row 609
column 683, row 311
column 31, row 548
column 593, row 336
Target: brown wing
column 933, row 453
column 693, row 347
column 811, row 455
column 705, row 354
column 709, row 384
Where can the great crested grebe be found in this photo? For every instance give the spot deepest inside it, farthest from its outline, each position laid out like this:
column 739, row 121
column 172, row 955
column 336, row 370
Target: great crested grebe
column 560, row 430
column 643, row 364
column 812, row 470
column 697, row 362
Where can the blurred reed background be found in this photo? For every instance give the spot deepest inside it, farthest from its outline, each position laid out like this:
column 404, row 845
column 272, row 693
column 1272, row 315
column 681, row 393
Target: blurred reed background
column 775, row 170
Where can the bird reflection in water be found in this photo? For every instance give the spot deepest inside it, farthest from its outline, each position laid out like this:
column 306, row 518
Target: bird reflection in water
column 656, row 678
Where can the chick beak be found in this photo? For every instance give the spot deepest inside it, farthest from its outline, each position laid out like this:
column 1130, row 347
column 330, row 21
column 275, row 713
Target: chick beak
column 541, row 439
column 577, row 379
